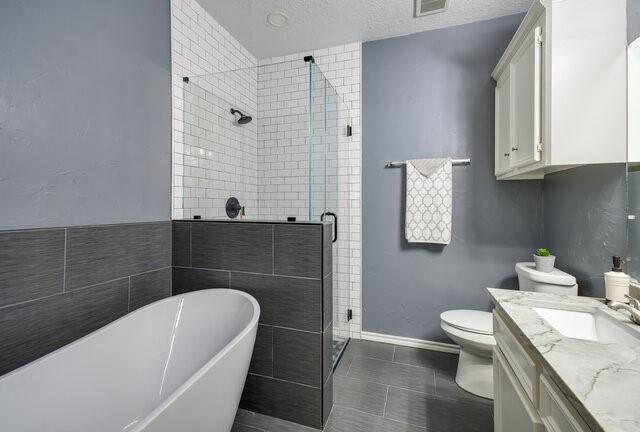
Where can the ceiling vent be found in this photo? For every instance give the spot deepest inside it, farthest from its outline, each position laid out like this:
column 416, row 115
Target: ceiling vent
column 430, row 7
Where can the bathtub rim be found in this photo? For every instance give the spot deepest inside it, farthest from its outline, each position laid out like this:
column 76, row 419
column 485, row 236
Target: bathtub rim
column 143, row 422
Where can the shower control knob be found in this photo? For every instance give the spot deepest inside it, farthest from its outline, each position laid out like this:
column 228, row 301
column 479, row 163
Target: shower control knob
column 506, row 155
column 514, row 148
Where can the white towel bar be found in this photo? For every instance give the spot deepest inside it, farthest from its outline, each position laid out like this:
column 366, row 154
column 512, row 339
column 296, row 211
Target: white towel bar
column 454, row 162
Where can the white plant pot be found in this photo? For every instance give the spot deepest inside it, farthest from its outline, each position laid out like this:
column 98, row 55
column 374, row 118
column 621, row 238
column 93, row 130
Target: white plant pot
column 544, row 263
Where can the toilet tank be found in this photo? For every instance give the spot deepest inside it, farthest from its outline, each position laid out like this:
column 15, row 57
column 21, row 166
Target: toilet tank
column 555, row 282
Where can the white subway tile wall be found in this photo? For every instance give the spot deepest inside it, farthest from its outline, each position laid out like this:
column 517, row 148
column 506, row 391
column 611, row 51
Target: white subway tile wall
column 265, row 163
column 213, row 158
column 283, row 165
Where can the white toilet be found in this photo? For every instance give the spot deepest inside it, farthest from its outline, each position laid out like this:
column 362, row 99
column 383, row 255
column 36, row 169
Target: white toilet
column 473, row 330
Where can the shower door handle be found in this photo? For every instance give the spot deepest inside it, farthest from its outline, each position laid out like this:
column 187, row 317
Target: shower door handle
column 335, row 224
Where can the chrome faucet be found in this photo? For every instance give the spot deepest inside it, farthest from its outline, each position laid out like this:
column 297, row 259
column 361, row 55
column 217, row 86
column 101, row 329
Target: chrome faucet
column 633, row 308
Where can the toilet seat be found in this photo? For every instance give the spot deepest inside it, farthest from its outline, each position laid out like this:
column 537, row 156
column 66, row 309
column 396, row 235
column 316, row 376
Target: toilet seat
column 473, row 332
column 472, row 321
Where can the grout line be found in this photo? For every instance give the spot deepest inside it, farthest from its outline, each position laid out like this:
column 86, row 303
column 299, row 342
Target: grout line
column 291, row 328
column 393, row 357
column 129, row 296
column 32, row 300
column 385, row 418
column 64, row 263
column 190, row 244
column 349, row 369
column 248, row 272
column 284, row 380
column 273, row 250
column 386, row 399
column 149, row 271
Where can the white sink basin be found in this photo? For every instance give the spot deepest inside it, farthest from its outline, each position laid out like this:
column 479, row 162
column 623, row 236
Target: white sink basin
column 594, row 326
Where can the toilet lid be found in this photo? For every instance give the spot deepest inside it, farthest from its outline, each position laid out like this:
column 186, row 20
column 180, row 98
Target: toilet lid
column 469, row 320
column 556, row 277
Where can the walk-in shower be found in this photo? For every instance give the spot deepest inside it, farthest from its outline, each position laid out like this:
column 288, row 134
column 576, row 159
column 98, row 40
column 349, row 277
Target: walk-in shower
column 291, row 161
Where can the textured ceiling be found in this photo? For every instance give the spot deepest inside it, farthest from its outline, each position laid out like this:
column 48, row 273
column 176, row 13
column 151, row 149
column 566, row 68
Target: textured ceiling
column 324, row 23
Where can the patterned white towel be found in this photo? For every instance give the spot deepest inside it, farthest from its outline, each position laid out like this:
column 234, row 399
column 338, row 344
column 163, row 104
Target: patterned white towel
column 429, row 201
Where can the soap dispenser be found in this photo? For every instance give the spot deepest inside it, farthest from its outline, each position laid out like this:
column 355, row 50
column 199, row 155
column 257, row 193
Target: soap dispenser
column 616, row 282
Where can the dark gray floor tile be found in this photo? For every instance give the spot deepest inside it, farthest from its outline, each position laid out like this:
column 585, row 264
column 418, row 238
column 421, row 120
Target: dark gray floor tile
column 31, row 264
column 262, row 358
column 446, row 387
column 407, row 406
column 232, row 246
column 365, row 348
column 297, row 356
column 181, row 244
column 327, row 249
column 360, row 395
column 395, row 374
column 426, row 358
column 149, row 287
column 297, row 250
column 327, row 300
column 30, row 330
column 343, row 365
column 349, row 420
column 188, row 279
column 452, row 415
column 284, row 301
column 101, row 253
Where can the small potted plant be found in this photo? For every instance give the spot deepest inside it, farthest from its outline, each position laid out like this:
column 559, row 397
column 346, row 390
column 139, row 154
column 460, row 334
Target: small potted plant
column 544, row 260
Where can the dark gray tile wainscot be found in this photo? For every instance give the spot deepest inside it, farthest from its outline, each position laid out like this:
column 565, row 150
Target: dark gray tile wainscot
column 110, row 270
column 281, row 265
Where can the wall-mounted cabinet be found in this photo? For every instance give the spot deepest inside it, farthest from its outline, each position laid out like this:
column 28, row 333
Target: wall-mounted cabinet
column 561, row 84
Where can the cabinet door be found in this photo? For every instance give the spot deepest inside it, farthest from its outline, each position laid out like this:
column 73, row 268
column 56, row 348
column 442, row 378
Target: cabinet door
column 556, row 411
column 503, row 127
column 512, row 410
column 526, row 101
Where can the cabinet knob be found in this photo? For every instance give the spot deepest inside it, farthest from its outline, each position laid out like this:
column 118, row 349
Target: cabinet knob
column 506, row 155
column 514, row 148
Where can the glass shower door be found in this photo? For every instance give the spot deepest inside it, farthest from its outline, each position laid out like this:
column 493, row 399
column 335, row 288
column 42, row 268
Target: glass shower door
column 331, row 126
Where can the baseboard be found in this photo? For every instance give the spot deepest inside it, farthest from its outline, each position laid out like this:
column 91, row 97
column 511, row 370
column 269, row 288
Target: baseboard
column 410, row 342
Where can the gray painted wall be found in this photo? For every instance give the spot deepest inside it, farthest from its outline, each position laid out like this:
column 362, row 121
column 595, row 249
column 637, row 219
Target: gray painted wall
column 633, row 20
column 85, row 112
column 585, row 221
column 431, row 95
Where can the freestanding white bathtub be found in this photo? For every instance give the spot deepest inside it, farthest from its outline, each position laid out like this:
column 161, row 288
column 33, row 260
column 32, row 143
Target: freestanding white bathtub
column 175, row 365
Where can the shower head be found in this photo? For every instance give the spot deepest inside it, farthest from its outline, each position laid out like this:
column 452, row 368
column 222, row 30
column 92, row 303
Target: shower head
column 244, row 119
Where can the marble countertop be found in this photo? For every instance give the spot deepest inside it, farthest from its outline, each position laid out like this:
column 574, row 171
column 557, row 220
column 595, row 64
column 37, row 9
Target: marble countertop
column 602, row 380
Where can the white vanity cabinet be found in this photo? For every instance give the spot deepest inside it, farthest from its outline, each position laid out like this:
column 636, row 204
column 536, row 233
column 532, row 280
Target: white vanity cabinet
column 525, row 396
column 513, row 411
column 560, row 98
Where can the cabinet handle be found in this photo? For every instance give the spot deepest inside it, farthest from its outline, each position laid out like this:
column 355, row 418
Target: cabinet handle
column 537, row 88
column 514, row 148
